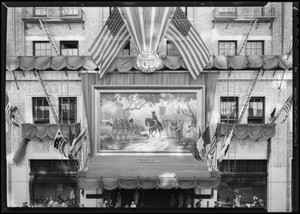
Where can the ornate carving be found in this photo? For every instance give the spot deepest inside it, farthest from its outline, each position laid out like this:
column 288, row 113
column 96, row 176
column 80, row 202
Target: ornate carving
column 41, row 147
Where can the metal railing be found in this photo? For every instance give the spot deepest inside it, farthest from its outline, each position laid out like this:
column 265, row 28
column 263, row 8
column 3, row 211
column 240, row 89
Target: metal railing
column 53, row 12
column 244, row 12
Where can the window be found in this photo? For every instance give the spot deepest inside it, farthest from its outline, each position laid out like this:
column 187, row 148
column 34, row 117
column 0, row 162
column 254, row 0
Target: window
column 40, row 11
column 171, row 49
column 229, row 109
column 52, row 166
column 126, row 50
column 227, row 48
column 43, row 48
column 254, row 48
column 68, row 110
column 70, row 11
column 40, row 110
column 69, row 48
column 256, row 110
column 244, row 166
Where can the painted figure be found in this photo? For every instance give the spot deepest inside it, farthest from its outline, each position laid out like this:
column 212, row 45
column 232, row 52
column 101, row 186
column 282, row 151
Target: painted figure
column 115, row 128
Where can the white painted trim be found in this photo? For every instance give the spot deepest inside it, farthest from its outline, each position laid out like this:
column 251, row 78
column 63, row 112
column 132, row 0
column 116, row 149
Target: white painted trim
column 239, row 37
column 58, row 38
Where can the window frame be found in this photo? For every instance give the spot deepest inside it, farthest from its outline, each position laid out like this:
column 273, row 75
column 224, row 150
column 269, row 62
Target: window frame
column 229, row 99
column 45, row 42
column 34, row 112
column 224, row 41
column 259, row 120
column 174, row 49
column 121, row 53
column 40, row 8
column 262, row 50
column 61, row 118
column 61, row 43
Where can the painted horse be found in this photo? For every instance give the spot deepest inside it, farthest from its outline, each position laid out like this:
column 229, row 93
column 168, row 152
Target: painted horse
column 153, row 127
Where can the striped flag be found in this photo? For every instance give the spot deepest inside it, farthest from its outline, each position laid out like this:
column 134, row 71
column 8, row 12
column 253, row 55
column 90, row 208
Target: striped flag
column 188, row 42
column 226, row 146
column 215, row 140
column 147, row 25
column 59, row 141
column 287, row 107
column 203, row 140
column 112, row 38
column 10, row 112
column 76, row 145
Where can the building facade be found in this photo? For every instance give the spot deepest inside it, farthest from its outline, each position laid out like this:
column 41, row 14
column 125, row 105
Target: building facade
column 73, row 30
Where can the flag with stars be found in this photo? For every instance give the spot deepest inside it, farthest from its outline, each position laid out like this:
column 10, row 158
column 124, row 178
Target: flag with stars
column 188, row 42
column 112, row 38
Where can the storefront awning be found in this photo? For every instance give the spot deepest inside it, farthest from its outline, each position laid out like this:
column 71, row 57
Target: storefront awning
column 139, row 171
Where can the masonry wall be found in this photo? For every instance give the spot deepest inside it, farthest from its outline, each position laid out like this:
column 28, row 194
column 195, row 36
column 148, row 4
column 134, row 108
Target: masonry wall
column 277, row 40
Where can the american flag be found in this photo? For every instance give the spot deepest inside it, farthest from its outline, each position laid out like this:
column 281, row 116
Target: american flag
column 76, row 145
column 287, row 107
column 112, row 38
column 215, row 140
column 10, row 112
column 203, row 140
column 188, row 42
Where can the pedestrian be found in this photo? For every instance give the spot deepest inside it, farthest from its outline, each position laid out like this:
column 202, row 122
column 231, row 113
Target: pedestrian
column 188, row 202
column 72, row 194
column 198, row 204
column 133, row 205
column 55, row 204
column 50, row 203
column 136, row 197
column 172, row 201
column 180, row 200
column 119, row 200
column 25, row 204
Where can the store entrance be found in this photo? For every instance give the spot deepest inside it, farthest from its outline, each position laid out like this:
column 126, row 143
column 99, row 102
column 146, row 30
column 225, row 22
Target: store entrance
column 152, row 198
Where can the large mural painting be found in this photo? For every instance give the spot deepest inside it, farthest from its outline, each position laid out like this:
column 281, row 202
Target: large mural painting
column 145, row 122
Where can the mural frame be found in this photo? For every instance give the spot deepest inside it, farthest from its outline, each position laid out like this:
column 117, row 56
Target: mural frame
column 199, row 91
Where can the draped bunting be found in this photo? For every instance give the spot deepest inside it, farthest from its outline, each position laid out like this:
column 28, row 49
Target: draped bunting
column 209, row 80
column 148, row 183
column 254, row 131
column 127, row 63
column 48, row 130
column 20, row 153
column 144, row 22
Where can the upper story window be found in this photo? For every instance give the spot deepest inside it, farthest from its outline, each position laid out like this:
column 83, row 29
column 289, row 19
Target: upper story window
column 229, row 109
column 254, row 48
column 256, row 110
column 171, row 49
column 69, row 48
column 40, row 110
column 70, row 11
column 40, row 11
column 43, row 48
column 126, row 50
column 68, row 110
column 227, row 48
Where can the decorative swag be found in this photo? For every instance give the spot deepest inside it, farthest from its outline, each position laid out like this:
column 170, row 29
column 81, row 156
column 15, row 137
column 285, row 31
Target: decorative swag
column 43, row 131
column 148, row 183
column 254, row 131
column 127, row 63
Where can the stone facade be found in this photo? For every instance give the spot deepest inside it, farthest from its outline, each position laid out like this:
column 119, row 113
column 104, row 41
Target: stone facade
column 276, row 41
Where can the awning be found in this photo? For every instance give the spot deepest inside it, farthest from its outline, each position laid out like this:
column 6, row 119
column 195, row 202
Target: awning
column 254, row 131
column 158, row 171
column 43, row 131
column 127, row 63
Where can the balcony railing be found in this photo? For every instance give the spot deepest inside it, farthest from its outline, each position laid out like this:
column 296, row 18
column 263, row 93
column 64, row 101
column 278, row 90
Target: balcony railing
column 54, row 14
column 243, row 13
column 48, row 13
